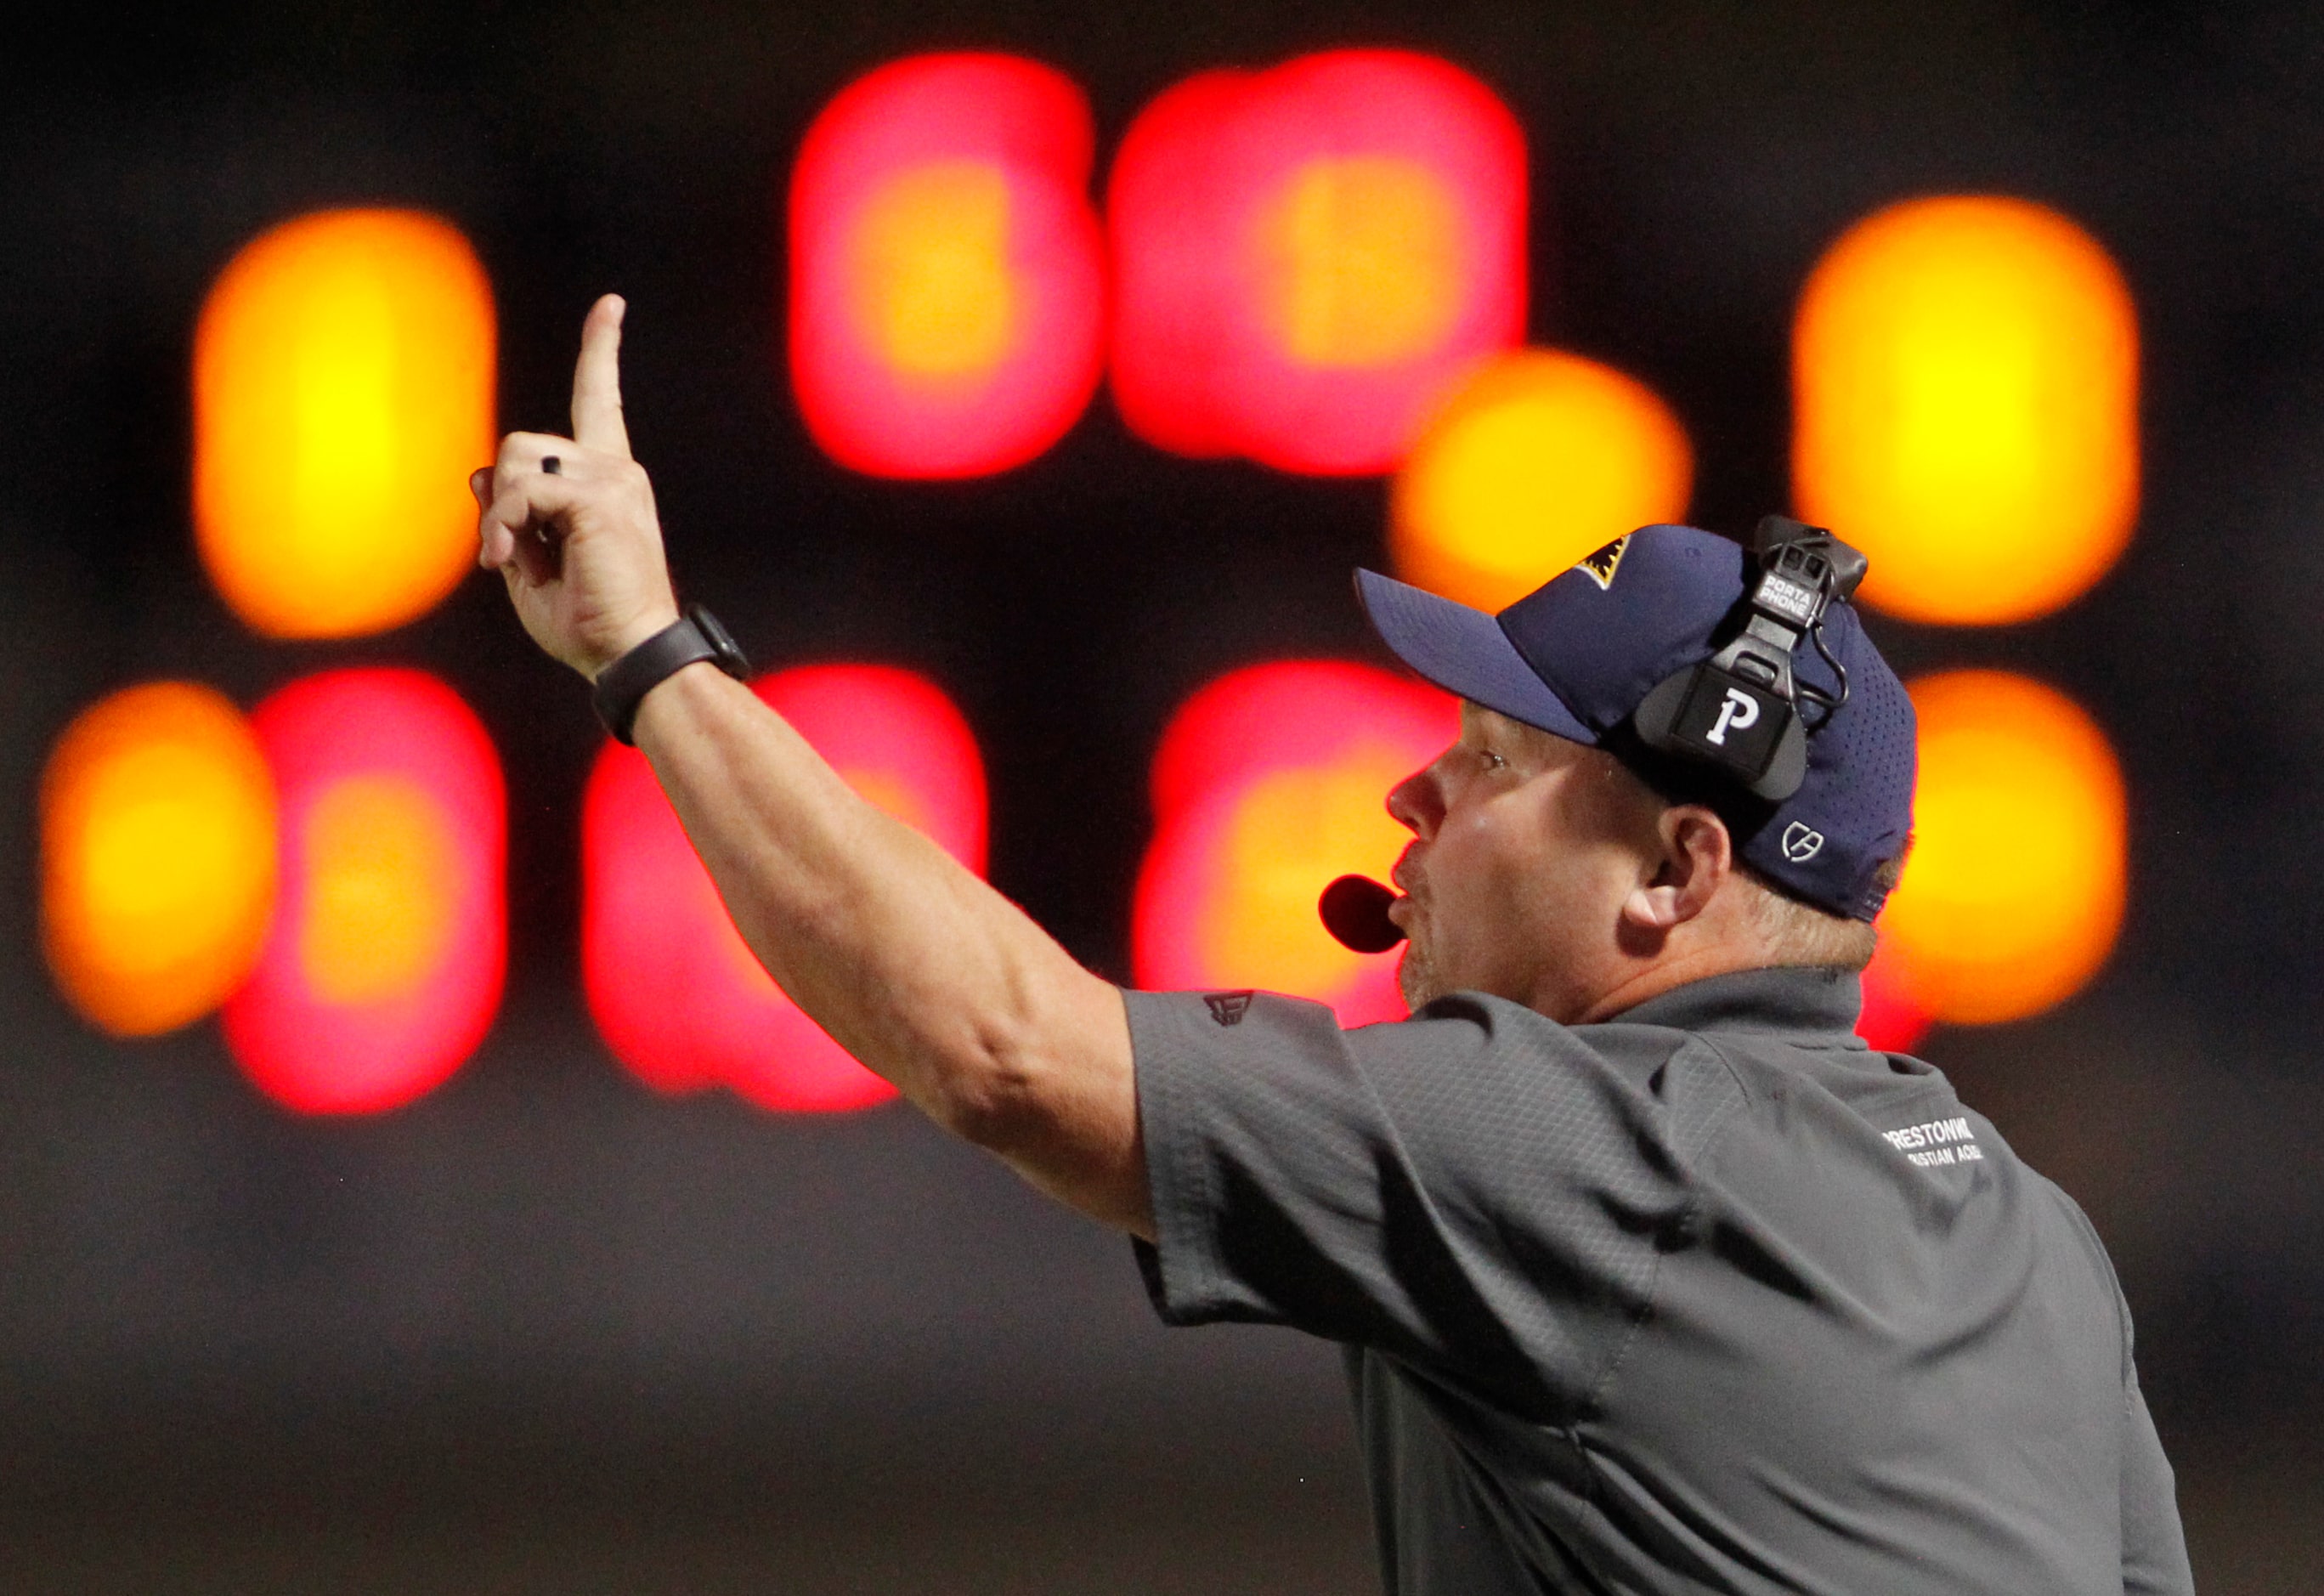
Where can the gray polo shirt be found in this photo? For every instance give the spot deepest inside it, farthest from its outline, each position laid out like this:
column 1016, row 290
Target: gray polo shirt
column 1710, row 1298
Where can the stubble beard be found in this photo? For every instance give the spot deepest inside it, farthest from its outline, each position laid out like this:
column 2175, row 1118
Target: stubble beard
column 1415, row 978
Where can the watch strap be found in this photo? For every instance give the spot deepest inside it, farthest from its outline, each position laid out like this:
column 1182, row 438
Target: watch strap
column 622, row 686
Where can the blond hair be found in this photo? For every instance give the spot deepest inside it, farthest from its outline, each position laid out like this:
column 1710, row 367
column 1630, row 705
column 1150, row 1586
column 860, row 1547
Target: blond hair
column 1797, row 933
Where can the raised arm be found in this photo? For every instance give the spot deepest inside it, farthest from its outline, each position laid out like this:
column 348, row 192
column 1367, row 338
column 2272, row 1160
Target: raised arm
column 918, row 968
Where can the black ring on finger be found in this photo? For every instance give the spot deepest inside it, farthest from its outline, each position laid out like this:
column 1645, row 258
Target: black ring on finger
column 553, row 466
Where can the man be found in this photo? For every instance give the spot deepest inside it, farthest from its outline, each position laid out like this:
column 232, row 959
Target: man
column 1651, row 1275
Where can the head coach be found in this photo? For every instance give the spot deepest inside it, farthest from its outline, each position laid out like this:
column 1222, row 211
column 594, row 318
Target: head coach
column 1651, row 1275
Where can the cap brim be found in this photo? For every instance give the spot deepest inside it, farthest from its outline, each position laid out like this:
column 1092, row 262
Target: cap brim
column 1465, row 652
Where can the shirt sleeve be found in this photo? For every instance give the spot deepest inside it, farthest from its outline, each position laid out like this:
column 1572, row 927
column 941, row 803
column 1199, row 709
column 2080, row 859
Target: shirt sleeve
column 1476, row 1190
column 2154, row 1544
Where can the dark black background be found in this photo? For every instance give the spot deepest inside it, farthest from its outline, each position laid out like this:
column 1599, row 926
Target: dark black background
column 544, row 1330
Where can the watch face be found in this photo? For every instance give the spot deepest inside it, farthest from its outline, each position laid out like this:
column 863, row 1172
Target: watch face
column 722, row 644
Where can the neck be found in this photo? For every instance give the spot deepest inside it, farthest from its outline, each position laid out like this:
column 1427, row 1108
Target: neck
column 1636, row 982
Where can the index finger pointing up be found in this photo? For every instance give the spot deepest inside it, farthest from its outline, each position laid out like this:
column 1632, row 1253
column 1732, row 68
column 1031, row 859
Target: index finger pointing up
column 598, row 421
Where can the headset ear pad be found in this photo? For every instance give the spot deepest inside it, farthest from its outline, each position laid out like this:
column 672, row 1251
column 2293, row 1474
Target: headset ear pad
column 1712, row 717
column 1789, row 768
column 1657, row 711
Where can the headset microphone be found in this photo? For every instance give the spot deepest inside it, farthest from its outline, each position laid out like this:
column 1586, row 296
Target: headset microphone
column 1355, row 912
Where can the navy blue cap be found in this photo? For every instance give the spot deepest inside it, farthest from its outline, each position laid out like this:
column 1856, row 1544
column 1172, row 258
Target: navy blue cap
column 1575, row 655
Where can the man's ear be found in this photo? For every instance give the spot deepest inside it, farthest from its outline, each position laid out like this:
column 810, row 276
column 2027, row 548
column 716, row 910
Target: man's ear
column 1696, row 857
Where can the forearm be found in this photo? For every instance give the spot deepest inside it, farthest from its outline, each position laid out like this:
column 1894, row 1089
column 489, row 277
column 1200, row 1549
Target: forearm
column 920, row 970
column 917, row 967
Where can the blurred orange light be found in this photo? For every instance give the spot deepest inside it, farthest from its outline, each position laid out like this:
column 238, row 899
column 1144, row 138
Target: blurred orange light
column 1965, row 380
column 382, row 883
column 1363, row 264
column 947, row 300
column 158, row 856
column 1537, row 459
column 2014, row 893
column 343, row 392
column 932, row 244
column 383, row 968
column 1270, row 782
column 1305, row 258
column 676, row 992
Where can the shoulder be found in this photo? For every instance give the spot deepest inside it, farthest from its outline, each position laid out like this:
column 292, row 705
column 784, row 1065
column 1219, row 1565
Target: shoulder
column 1499, row 1046
column 1478, row 1092
column 1466, row 1028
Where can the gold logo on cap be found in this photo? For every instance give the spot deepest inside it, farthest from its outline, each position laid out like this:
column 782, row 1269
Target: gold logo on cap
column 1599, row 567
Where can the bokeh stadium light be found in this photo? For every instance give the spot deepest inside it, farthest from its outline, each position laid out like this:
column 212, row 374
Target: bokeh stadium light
column 676, row 993
column 1306, row 259
column 158, row 856
column 1892, row 1019
column 947, row 290
column 2014, row 893
column 343, row 392
column 383, row 969
column 1268, row 783
column 1965, row 380
column 1538, row 458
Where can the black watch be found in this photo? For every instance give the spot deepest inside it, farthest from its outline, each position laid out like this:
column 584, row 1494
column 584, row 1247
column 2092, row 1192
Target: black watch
column 622, row 686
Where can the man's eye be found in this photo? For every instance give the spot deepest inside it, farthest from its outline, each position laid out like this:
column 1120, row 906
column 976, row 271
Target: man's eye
column 1493, row 761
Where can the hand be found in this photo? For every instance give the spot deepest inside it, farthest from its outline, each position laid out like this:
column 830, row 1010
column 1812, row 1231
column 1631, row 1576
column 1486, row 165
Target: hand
column 580, row 548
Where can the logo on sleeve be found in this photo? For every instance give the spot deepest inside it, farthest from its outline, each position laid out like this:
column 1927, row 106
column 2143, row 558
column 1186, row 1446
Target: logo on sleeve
column 1600, row 566
column 1937, row 1142
column 1228, row 1007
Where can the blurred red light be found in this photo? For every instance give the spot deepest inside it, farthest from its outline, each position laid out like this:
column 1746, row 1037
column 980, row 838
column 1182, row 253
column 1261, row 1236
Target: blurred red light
column 382, row 968
column 1267, row 784
column 676, row 992
column 1306, row 259
column 947, row 299
column 1892, row 1022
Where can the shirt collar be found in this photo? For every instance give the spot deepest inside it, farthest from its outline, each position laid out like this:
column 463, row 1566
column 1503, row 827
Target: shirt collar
column 1788, row 999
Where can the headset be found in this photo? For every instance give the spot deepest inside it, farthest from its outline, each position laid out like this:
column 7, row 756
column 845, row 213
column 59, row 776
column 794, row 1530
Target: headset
column 1741, row 710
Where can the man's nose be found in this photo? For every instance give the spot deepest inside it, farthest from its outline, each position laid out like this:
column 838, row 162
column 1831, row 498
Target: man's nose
column 1413, row 804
